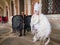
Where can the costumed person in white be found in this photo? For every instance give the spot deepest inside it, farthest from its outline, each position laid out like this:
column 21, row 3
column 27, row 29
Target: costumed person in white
column 40, row 26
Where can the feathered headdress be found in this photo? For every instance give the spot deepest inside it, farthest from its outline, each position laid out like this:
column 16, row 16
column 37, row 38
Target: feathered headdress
column 37, row 6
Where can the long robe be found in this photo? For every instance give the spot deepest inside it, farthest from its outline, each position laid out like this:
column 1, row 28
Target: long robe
column 40, row 27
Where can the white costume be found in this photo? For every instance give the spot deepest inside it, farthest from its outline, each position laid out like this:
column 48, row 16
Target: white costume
column 40, row 28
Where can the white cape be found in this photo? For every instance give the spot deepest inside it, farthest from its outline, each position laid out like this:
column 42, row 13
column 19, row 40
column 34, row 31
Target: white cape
column 40, row 26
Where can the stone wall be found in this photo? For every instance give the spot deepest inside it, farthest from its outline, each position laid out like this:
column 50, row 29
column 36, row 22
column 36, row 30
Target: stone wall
column 54, row 20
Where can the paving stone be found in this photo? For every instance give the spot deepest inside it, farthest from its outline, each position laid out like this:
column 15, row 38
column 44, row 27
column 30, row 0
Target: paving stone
column 4, row 31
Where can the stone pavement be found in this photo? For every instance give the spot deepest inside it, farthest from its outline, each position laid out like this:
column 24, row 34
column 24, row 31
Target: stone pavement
column 5, row 29
column 14, row 39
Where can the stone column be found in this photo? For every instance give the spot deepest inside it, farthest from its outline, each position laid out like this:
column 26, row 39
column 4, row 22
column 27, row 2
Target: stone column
column 4, row 11
column 14, row 7
column 29, row 7
column 25, row 6
column 18, row 8
column 40, row 1
column 10, row 9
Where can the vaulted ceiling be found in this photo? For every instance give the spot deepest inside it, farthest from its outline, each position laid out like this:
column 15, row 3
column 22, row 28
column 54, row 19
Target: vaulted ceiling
column 2, row 3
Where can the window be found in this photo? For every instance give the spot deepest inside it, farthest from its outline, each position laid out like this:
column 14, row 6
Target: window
column 51, row 6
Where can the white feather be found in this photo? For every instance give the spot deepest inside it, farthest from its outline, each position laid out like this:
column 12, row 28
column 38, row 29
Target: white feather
column 41, row 29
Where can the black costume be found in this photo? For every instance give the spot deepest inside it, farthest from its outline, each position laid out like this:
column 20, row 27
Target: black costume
column 21, row 22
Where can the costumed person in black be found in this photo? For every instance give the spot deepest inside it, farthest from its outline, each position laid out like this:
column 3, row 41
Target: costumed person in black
column 24, row 23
